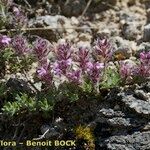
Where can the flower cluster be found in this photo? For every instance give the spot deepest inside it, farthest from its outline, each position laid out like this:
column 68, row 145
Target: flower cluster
column 94, row 71
column 41, row 48
column 83, row 58
column 126, row 69
column 103, row 50
column 20, row 45
column 71, row 64
column 4, row 41
column 44, row 71
column 63, row 53
column 18, row 18
column 144, row 67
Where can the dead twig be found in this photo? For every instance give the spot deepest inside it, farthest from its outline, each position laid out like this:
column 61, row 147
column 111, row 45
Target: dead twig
column 86, row 8
column 46, row 28
column 27, row 3
column 41, row 136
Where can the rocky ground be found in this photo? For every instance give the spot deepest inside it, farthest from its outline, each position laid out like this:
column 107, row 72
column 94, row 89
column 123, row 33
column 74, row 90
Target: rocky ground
column 121, row 117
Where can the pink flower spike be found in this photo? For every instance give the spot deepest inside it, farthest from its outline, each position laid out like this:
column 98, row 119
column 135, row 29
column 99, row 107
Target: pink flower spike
column 89, row 65
column 99, row 65
column 69, row 61
column 142, row 55
column 41, row 71
column 16, row 10
column 5, row 39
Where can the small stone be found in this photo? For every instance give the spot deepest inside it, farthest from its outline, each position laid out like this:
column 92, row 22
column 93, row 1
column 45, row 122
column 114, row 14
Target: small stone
column 74, row 21
column 148, row 15
column 131, row 31
column 142, row 95
column 146, row 36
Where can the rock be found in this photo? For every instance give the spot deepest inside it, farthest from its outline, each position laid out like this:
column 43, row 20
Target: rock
column 119, row 122
column 74, row 21
column 101, row 5
column 139, row 106
column 72, row 7
column 109, row 113
column 85, row 44
column 131, row 31
column 85, row 37
column 146, row 36
column 144, row 46
column 135, row 141
column 130, row 16
column 132, row 22
column 147, row 87
column 49, row 131
column 142, row 95
column 19, row 85
column 125, row 47
column 146, row 127
column 55, row 22
column 148, row 15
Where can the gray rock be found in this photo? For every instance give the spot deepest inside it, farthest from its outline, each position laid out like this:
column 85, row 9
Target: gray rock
column 131, row 31
column 142, row 95
column 123, row 46
column 137, row 105
column 136, row 141
column 146, row 36
column 109, row 113
column 72, row 7
column 19, row 85
column 144, row 46
column 119, row 122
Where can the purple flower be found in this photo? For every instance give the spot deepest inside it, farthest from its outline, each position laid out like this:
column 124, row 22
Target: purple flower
column 41, row 71
column 144, row 70
column 20, row 44
column 44, row 71
column 16, row 11
column 145, row 57
column 127, row 69
column 103, row 50
column 18, row 18
column 94, row 70
column 60, row 67
column 144, row 67
column 42, row 48
column 74, row 76
column 63, row 51
column 82, row 57
column 4, row 41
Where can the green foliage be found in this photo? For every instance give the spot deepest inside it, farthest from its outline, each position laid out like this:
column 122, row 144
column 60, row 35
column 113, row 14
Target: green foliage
column 24, row 103
column 3, row 17
column 3, row 89
column 11, row 108
column 8, row 54
column 4, row 13
column 111, row 78
column 46, row 105
column 69, row 91
column 87, row 87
